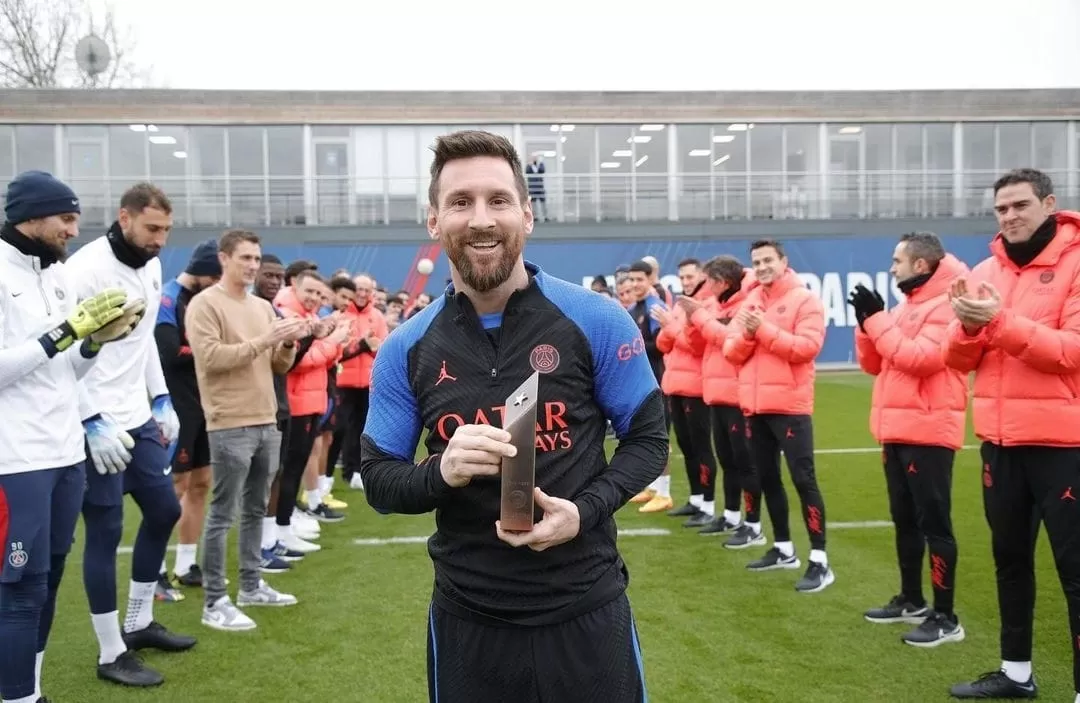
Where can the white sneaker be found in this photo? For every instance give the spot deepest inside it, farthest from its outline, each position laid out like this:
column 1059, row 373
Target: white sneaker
column 356, row 482
column 225, row 616
column 296, row 544
column 305, row 522
column 264, row 595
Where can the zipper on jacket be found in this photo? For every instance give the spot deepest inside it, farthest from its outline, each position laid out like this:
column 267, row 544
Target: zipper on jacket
column 41, row 287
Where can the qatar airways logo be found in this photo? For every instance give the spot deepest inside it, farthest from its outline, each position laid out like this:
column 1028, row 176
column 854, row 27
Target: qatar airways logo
column 552, row 430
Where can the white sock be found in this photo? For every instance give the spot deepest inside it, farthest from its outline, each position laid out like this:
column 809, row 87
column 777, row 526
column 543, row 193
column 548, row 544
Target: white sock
column 25, row 699
column 185, row 558
column 786, row 548
column 734, row 517
column 1020, row 672
column 709, row 506
column 140, row 610
column 37, row 674
column 313, row 498
column 818, row 555
column 110, row 641
column 663, row 486
column 1077, row 699
column 697, row 501
column 270, row 532
column 755, row 526
column 326, row 484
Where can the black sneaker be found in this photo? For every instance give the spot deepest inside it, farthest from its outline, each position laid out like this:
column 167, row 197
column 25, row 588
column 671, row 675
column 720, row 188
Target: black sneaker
column 129, row 670
column 718, row 526
column 684, row 511
column 700, row 520
column 995, row 684
column 745, row 536
column 192, row 579
column 155, row 636
column 774, row 559
column 899, row 609
column 935, row 629
column 817, row 578
column 323, row 513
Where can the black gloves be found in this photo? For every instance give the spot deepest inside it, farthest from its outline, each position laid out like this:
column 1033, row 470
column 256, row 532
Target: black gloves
column 867, row 303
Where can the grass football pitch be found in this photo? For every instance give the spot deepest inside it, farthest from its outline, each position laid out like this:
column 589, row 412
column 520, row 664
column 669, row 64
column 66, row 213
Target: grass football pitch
column 710, row 629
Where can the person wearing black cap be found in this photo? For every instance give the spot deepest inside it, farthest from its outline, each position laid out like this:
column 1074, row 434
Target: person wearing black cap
column 127, row 392
column 42, row 451
column 191, row 462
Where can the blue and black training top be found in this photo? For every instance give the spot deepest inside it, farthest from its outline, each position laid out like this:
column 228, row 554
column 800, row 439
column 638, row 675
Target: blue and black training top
column 448, row 366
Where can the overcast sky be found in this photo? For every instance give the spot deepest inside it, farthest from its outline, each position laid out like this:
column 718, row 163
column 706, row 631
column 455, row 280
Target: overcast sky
column 602, row 44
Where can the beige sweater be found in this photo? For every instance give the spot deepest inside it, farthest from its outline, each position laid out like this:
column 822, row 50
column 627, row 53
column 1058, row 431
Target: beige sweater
column 235, row 373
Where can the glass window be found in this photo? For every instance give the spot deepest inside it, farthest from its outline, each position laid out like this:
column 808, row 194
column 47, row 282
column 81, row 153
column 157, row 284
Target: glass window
column 617, row 145
column 979, row 168
column 7, row 153
column 368, row 172
column 332, row 181
column 246, row 176
column 731, row 149
column 35, row 148
column 802, row 162
column 1051, row 148
column 878, row 147
column 571, row 186
column 127, row 153
column 206, row 164
column 86, row 175
column 766, row 166
column 402, row 169
column 650, row 164
column 168, row 164
column 331, row 130
column 85, row 131
column 939, row 169
column 285, row 166
column 695, row 157
column 1014, row 146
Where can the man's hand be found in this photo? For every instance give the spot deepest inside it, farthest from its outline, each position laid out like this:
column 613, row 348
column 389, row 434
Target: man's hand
column 661, row 315
column 324, row 327
column 561, row 523
column 88, row 317
column 750, row 320
column 166, row 418
column 340, row 335
column 867, row 303
column 974, row 312
column 109, row 445
column 689, row 305
column 130, row 317
column 373, row 343
column 474, row 450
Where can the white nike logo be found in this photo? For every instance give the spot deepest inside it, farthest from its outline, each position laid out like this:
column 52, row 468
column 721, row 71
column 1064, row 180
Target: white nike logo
column 168, row 470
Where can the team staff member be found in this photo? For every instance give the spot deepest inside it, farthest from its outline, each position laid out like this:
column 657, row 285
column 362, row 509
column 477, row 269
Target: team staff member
column 729, row 284
column 657, row 495
column 777, row 334
column 239, row 344
column 43, row 455
column 191, row 461
column 515, row 616
column 683, row 350
column 917, row 414
column 126, row 393
column 1018, row 329
column 354, row 379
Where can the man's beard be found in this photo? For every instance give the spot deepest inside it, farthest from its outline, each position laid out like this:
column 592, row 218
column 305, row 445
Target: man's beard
column 486, row 278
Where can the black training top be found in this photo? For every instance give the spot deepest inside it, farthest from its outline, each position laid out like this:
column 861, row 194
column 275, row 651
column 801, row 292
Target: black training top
column 448, row 366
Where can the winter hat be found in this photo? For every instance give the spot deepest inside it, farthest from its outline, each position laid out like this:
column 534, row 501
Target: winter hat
column 36, row 194
column 204, row 260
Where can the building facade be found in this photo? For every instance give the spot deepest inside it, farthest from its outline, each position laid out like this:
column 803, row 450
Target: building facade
column 290, row 159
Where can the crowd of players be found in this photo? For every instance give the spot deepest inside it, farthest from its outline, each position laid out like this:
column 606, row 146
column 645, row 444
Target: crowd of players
column 252, row 377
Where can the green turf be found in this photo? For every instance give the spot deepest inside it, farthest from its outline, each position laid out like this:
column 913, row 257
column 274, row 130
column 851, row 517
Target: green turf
column 710, row 630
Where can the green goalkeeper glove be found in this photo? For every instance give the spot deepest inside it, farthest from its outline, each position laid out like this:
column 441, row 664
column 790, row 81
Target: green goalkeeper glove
column 88, row 317
column 119, row 328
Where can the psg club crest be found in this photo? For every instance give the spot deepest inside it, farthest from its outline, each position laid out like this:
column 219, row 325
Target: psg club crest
column 17, row 558
column 544, row 358
column 157, row 285
column 59, row 293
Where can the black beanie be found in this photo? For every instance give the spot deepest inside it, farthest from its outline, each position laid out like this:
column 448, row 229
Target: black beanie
column 204, row 260
column 36, row 194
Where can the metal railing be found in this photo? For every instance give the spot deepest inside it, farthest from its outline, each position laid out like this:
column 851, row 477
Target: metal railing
column 578, row 198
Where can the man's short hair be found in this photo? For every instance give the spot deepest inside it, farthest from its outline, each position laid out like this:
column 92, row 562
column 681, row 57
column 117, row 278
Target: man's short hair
column 470, row 143
column 298, row 266
column 232, row 237
column 143, row 195
column 690, row 262
column 641, row 266
column 924, row 245
column 724, row 268
column 1040, row 182
column 762, row 243
column 271, row 259
column 307, row 273
column 339, row 282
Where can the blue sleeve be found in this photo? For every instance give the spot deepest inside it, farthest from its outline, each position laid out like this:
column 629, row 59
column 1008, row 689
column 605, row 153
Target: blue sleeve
column 167, row 311
column 650, row 303
column 623, row 377
column 393, row 420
